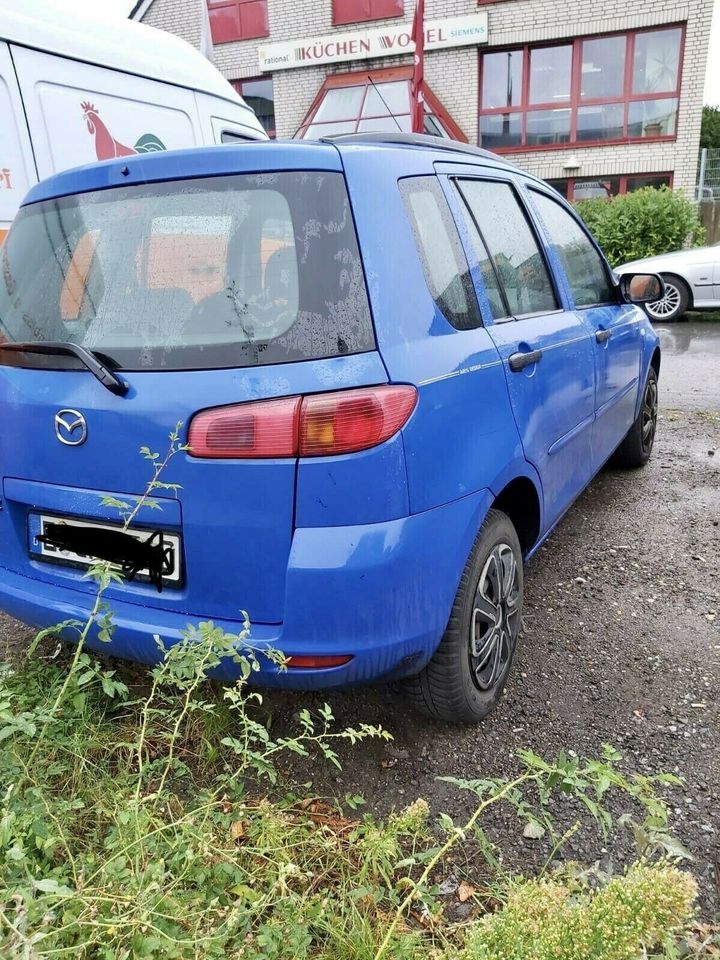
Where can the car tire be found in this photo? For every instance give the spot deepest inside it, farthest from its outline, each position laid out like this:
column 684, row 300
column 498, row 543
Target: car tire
column 637, row 446
column 465, row 678
column 674, row 304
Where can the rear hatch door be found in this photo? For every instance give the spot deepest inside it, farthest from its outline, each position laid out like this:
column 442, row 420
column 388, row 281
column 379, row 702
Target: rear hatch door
column 194, row 294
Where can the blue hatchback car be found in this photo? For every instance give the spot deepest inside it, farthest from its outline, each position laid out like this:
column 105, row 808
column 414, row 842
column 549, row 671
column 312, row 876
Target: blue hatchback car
column 398, row 361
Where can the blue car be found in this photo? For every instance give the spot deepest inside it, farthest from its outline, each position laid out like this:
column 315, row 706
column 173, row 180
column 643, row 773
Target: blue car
column 397, row 361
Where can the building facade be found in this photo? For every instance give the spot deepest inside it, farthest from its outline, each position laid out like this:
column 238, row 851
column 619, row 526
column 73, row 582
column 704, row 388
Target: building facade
column 596, row 98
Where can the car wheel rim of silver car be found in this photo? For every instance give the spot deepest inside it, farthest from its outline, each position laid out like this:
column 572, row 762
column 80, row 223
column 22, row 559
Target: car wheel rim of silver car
column 495, row 618
column 649, row 414
column 667, row 305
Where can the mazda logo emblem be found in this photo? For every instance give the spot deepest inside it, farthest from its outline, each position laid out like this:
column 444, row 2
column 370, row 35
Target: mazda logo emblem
column 70, row 427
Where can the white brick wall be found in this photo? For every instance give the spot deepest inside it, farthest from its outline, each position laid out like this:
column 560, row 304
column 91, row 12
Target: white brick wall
column 453, row 73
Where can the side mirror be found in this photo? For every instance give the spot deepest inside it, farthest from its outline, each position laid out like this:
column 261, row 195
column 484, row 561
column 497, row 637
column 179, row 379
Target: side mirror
column 641, row 287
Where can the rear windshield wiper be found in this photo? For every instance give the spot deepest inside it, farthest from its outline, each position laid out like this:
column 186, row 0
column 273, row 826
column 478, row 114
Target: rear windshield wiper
column 57, row 348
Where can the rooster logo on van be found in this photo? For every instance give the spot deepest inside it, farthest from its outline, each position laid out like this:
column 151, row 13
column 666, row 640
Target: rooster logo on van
column 5, row 180
column 107, row 147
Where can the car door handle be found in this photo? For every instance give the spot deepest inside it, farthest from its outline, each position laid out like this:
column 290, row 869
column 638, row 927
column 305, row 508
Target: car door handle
column 602, row 335
column 518, row 361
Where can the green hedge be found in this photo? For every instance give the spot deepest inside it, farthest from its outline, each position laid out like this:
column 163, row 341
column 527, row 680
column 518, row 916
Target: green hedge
column 642, row 224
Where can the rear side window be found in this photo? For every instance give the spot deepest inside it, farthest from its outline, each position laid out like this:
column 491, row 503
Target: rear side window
column 486, row 266
column 584, row 267
column 513, row 247
column 223, row 272
column 444, row 264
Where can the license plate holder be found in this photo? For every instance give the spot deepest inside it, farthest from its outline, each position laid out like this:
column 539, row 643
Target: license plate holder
column 145, row 555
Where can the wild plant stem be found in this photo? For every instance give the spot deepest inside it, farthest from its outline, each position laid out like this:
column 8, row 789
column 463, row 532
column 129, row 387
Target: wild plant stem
column 140, row 745
column 68, row 677
column 189, row 693
column 442, row 852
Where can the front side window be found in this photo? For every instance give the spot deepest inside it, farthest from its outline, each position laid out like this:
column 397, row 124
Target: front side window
column 511, row 242
column 586, row 273
column 593, row 90
column 223, row 272
column 443, row 260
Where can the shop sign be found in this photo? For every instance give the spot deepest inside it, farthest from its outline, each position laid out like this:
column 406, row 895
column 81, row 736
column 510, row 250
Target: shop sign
column 368, row 44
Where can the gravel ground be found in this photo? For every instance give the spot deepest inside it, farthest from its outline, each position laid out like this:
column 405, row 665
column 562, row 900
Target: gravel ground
column 620, row 643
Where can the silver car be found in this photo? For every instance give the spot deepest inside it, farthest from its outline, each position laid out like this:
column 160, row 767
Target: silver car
column 692, row 281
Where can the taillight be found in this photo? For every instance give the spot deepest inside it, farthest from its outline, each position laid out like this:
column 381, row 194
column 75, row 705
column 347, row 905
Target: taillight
column 266, row 428
column 314, row 426
column 353, row 420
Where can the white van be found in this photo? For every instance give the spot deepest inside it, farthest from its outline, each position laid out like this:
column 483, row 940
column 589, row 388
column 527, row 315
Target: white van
column 74, row 90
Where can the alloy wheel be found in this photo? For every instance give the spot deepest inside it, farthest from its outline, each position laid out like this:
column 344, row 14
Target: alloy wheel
column 668, row 305
column 649, row 414
column 496, row 618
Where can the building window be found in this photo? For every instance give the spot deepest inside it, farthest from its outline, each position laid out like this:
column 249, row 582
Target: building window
column 586, row 188
column 238, row 20
column 359, row 11
column 589, row 91
column 364, row 102
column 257, row 92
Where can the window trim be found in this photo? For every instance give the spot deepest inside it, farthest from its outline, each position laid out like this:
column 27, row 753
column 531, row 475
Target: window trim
column 356, row 78
column 622, row 177
column 533, row 188
column 529, row 215
column 575, row 101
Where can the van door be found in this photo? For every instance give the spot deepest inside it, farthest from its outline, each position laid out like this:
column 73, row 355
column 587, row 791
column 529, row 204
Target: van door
column 615, row 327
column 546, row 349
column 79, row 113
column 17, row 168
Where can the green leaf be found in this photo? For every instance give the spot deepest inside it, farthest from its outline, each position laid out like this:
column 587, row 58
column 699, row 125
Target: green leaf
column 52, row 886
column 114, row 502
column 534, row 830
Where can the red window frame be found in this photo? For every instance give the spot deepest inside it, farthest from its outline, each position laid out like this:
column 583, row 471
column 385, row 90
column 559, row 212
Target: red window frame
column 623, row 178
column 232, row 20
column 575, row 101
column 359, row 78
column 362, row 11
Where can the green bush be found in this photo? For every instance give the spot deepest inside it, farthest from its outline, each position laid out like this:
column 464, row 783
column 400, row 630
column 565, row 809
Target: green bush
column 545, row 920
column 641, row 224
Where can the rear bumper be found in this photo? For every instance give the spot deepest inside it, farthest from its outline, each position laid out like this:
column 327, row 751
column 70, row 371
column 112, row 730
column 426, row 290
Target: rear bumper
column 380, row 592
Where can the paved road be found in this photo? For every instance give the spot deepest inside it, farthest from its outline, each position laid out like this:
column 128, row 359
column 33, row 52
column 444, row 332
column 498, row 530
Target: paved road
column 691, row 365
column 620, row 643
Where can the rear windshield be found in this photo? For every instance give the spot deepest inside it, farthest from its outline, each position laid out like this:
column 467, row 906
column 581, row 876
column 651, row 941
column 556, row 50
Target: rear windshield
column 222, row 272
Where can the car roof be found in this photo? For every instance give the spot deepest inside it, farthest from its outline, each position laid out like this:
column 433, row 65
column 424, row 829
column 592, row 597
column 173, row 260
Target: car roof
column 251, row 157
column 112, row 42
